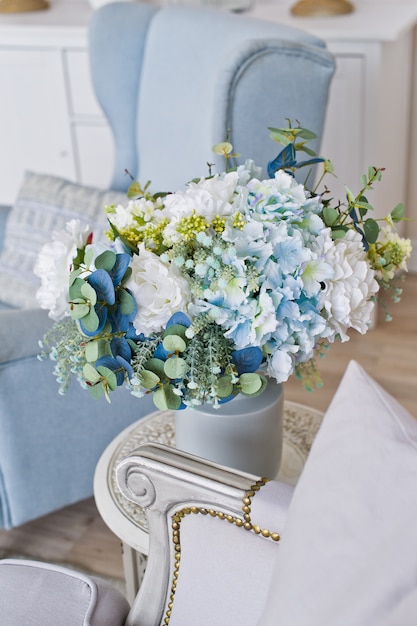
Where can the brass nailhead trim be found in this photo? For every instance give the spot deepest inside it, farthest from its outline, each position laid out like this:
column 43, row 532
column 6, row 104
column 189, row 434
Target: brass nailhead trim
column 245, row 523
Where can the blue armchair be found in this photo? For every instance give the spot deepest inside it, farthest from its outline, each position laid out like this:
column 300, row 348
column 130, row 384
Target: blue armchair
column 172, row 82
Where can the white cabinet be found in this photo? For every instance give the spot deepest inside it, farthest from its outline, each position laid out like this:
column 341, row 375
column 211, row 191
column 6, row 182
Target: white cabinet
column 50, row 120
column 34, row 126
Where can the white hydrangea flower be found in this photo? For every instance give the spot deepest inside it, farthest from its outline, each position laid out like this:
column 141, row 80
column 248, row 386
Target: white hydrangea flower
column 53, row 267
column 159, row 289
column 221, row 186
column 345, row 300
column 207, row 198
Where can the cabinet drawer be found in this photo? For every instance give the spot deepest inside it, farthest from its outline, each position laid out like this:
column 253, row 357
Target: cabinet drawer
column 82, row 100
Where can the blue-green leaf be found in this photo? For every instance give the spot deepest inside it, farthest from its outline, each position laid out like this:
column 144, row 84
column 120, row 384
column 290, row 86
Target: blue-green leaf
column 105, row 260
column 175, row 367
column 397, row 213
column 250, row 384
column 148, row 379
column 371, row 229
column 224, row 386
column 174, row 343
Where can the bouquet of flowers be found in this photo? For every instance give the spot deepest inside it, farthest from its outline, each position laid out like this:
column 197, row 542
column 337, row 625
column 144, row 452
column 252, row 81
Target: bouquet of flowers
column 205, row 293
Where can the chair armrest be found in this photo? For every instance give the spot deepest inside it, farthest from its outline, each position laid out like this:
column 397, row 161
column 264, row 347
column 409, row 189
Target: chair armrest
column 20, row 332
column 219, row 510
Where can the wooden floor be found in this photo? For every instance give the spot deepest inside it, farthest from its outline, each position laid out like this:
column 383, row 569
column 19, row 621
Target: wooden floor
column 78, row 537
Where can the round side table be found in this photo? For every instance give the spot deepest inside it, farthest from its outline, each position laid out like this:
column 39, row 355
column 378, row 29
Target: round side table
column 128, row 521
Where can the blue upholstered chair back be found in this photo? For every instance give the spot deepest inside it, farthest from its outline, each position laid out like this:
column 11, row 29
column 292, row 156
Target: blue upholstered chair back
column 174, row 80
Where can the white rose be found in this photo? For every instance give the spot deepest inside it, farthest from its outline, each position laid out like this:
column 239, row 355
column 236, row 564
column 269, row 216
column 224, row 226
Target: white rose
column 53, row 267
column 160, row 291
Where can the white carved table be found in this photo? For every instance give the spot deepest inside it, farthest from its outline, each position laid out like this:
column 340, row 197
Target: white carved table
column 128, row 521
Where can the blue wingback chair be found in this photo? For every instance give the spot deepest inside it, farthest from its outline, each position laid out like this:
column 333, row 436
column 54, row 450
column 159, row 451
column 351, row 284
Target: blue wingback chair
column 172, row 82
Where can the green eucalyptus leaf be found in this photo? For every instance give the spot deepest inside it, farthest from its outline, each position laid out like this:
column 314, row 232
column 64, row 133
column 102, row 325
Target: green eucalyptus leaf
column 96, row 349
column 397, row 213
column 250, row 383
column 126, row 301
column 374, row 172
column 91, row 351
column 224, row 386
column 148, row 379
column 330, row 216
column 109, row 376
column 127, row 276
column 306, row 134
column 302, row 148
column 264, row 383
column 159, row 399
column 279, row 136
column 156, row 366
column 175, row 367
column 88, row 293
column 164, row 398
column 91, row 374
column 89, row 257
column 105, row 261
column 91, row 321
column 73, row 276
column 371, row 229
column 174, row 343
column 104, row 348
column 338, row 233
column 364, row 207
column 135, row 347
column 175, row 329
column 79, row 309
column 97, row 391
column 75, row 288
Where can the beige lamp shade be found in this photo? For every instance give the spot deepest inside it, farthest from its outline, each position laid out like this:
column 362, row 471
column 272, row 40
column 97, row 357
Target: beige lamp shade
column 321, row 8
column 21, row 6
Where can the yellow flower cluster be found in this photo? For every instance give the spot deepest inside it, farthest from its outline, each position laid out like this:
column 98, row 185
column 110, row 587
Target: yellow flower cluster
column 218, row 223
column 189, row 226
column 238, row 221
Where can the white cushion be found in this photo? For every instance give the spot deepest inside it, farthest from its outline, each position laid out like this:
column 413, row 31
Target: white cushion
column 44, row 204
column 348, row 554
